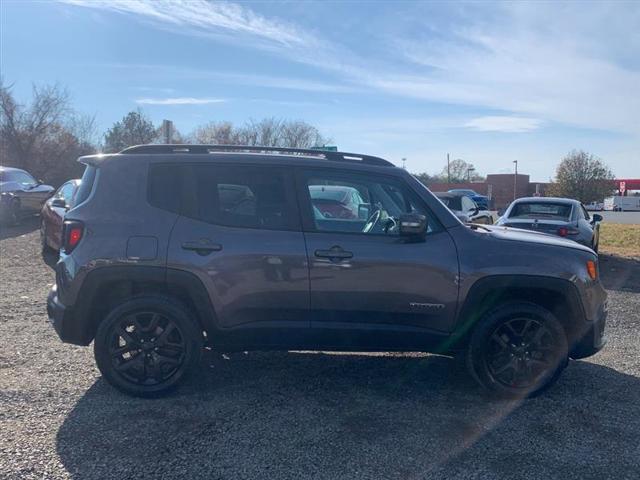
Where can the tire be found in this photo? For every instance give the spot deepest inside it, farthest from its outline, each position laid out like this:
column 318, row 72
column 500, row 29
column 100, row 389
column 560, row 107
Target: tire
column 517, row 350
column 148, row 345
column 12, row 215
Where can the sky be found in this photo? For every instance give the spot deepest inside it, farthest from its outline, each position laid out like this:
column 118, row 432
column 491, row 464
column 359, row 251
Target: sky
column 488, row 82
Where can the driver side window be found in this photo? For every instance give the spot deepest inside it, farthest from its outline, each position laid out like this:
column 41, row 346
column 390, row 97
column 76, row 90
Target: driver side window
column 355, row 203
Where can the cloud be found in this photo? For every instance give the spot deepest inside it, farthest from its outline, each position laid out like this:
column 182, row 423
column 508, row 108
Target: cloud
column 200, row 17
column 178, row 101
column 549, row 61
column 503, row 124
column 569, row 63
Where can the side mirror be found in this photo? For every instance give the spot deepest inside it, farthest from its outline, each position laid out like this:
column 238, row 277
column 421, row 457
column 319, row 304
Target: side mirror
column 596, row 217
column 58, row 203
column 474, row 211
column 501, row 212
column 463, row 217
column 413, row 225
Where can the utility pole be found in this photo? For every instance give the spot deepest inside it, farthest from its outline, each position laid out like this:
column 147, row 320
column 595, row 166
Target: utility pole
column 448, row 170
column 515, row 180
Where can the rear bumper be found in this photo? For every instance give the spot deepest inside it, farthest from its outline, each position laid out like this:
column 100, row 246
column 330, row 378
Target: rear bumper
column 62, row 319
column 594, row 339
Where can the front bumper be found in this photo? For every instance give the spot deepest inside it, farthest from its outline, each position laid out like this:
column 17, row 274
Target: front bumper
column 594, row 339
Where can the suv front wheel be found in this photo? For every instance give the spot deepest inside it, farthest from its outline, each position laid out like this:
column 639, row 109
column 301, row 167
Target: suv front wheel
column 148, row 345
column 517, row 350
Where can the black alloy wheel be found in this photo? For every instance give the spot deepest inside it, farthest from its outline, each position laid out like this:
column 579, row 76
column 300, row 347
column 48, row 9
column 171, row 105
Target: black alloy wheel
column 517, row 350
column 520, row 352
column 146, row 348
column 148, row 345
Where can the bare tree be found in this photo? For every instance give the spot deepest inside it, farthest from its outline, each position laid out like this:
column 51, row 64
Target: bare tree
column 299, row 134
column 460, row 171
column 269, row 132
column 46, row 136
column 24, row 127
column 219, row 133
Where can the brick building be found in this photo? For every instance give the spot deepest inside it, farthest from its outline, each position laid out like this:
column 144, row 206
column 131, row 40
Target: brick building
column 498, row 187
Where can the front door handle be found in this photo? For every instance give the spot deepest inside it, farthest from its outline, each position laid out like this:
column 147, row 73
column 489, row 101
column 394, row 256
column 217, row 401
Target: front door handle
column 202, row 247
column 334, row 253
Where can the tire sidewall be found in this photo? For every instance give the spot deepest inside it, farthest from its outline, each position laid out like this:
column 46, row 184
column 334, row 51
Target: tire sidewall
column 162, row 305
column 476, row 359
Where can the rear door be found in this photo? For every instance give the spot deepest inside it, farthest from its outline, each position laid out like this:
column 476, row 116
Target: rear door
column 370, row 287
column 239, row 232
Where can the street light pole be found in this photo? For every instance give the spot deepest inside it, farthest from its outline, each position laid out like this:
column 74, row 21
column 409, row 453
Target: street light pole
column 515, row 181
column 448, row 170
column 404, row 161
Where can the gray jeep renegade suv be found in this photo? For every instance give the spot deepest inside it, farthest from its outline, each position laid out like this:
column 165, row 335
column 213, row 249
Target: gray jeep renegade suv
column 172, row 247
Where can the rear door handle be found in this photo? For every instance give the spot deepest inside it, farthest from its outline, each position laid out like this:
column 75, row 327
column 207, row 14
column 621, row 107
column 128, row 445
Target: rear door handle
column 202, row 247
column 334, row 253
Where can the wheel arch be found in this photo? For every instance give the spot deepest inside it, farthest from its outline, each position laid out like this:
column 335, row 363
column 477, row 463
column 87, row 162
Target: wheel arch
column 105, row 287
column 557, row 295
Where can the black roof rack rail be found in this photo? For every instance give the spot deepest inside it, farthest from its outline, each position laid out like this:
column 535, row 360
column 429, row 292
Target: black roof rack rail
column 203, row 149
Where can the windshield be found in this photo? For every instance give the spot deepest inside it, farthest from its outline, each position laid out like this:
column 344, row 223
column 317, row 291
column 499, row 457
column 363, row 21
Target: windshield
column 454, row 203
column 17, row 176
column 555, row 211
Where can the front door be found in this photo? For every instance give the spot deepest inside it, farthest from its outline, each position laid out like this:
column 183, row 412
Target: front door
column 240, row 233
column 370, row 287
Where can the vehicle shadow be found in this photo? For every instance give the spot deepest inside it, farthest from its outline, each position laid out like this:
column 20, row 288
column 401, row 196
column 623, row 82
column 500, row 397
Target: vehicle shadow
column 27, row 225
column 318, row 415
column 620, row 273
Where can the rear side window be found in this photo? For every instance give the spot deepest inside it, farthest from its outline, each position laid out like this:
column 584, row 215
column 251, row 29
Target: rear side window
column 86, row 185
column 165, row 186
column 243, row 196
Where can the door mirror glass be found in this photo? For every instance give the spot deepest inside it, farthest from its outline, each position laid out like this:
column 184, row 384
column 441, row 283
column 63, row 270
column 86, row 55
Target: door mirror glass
column 413, row 225
column 463, row 217
column 58, row 203
column 596, row 217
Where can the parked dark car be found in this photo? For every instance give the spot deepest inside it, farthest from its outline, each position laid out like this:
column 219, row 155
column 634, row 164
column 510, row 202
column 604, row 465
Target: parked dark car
column 20, row 194
column 556, row 216
column 52, row 215
column 481, row 200
column 157, row 261
column 465, row 208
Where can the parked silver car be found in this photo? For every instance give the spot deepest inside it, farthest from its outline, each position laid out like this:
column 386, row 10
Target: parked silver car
column 556, row 216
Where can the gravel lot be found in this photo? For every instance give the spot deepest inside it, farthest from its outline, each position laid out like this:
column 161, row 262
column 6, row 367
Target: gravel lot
column 309, row 415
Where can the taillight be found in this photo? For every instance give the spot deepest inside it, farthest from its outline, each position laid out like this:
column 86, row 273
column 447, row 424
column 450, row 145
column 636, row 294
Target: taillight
column 564, row 231
column 72, row 232
column 592, row 269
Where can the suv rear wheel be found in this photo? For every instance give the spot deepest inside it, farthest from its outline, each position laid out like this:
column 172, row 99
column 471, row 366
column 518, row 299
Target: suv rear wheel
column 148, row 345
column 517, row 350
